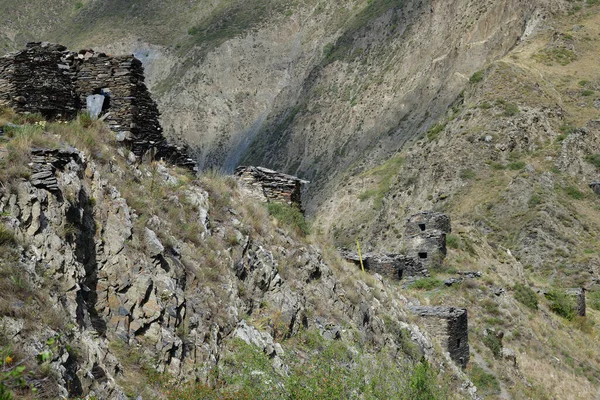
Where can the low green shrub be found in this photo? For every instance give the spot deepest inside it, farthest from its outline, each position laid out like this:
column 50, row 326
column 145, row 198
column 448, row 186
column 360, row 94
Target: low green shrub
column 453, row 241
column 561, row 304
column 594, row 159
column 426, row 284
column 476, row 77
column 525, row 295
column 493, row 343
column 487, row 384
column 290, row 216
column 7, row 237
column 574, row 193
column 593, row 299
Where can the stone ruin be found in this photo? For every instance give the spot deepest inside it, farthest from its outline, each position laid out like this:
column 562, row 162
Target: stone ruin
column 449, row 326
column 425, row 248
column 426, row 237
column 391, row 266
column 578, row 295
column 57, row 83
column 266, row 184
column 595, row 186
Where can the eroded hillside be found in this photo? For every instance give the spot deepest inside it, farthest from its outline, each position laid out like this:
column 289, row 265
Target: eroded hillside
column 511, row 162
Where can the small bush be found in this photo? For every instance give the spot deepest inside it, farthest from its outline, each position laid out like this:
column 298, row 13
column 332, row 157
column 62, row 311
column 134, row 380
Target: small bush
column 510, row 110
column 561, row 304
column 426, row 284
column 593, row 299
column 422, row 384
column 516, row 165
column 594, row 159
column 453, row 241
column 575, row 193
column 587, row 92
column 493, row 343
column 525, row 295
column 290, row 216
column 476, row 77
column 486, row 383
column 7, row 237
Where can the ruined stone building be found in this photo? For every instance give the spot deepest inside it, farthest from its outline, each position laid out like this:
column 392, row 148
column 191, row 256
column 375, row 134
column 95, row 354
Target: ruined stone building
column 266, row 184
column 425, row 243
column 449, row 326
column 55, row 82
column 578, row 296
column 391, row 266
column 425, row 237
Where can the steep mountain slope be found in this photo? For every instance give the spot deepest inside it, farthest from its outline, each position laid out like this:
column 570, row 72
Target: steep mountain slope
column 122, row 280
column 312, row 87
column 510, row 162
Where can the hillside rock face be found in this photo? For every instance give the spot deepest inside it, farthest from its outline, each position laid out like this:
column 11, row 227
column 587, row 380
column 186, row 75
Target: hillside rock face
column 116, row 283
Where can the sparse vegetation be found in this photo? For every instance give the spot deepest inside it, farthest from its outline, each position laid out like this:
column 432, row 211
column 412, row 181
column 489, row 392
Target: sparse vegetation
column 487, row 384
column 426, row 284
column 290, row 216
column 561, row 304
column 525, row 295
column 476, row 77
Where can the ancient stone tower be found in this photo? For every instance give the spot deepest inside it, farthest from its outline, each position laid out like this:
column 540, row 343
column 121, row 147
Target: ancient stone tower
column 449, row 326
column 48, row 79
column 426, row 237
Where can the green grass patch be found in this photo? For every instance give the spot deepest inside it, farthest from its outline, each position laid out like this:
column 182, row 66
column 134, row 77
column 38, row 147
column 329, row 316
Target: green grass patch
column 587, row 93
column 290, row 216
column 435, row 130
column 594, row 159
column 7, row 237
column 526, row 296
column 561, row 304
column 453, row 241
column 593, row 299
column 559, row 55
column 384, row 174
column 516, row 165
column 468, row 174
column 574, row 193
column 426, row 283
column 510, row 110
column 487, row 384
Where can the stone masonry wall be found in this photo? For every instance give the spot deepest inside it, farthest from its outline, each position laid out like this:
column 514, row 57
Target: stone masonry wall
column 426, row 237
column 39, row 80
column 391, row 266
column 55, row 82
column 578, row 295
column 449, row 325
column 271, row 185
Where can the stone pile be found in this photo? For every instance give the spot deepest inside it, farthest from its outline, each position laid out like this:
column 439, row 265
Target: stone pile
column 48, row 79
column 45, row 162
column 449, row 325
column 271, row 185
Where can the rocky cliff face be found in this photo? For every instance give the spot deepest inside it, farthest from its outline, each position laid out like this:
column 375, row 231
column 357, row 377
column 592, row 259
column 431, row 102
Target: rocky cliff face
column 115, row 280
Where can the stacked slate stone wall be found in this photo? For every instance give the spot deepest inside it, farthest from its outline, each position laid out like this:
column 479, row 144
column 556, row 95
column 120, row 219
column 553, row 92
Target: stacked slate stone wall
column 449, row 325
column 578, row 295
column 49, row 79
column 271, row 185
column 39, row 79
column 426, row 237
column 391, row 266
